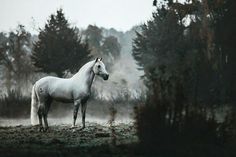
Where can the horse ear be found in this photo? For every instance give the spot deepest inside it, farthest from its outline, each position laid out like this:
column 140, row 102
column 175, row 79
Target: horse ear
column 100, row 59
column 96, row 60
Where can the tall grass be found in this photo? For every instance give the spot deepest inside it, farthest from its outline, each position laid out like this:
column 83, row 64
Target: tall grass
column 111, row 122
column 163, row 130
column 14, row 104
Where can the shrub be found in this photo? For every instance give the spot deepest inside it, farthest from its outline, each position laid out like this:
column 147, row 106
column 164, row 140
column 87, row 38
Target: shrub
column 14, row 104
column 194, row 134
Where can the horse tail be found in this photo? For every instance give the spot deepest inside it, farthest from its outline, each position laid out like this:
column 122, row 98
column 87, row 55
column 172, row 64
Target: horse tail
column 34, row 107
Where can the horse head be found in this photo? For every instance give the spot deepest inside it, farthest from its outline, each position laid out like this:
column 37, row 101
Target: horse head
column 99, row 69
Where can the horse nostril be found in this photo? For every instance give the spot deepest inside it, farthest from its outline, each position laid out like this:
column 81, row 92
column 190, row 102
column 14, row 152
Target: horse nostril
column 106, row 76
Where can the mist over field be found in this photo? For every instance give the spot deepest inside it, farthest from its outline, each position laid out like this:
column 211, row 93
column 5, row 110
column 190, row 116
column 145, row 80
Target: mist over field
column 125, row 77
column 122, row 90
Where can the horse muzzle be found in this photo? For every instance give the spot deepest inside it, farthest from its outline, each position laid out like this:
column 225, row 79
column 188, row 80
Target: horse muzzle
column 105, row 76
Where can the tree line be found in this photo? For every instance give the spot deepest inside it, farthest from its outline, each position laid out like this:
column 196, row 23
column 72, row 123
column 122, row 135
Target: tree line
column 58, row 49
column 187, row 53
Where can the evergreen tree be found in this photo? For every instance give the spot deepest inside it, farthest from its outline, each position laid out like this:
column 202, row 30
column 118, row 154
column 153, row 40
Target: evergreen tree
column 184, row 75
column 59, row 47
column 224, row 26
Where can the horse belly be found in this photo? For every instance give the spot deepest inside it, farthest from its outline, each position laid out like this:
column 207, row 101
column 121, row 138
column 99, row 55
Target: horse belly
column 62, row 96
column 61, row 93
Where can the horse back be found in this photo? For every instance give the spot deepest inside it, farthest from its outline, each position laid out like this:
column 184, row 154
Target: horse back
column 56, row 88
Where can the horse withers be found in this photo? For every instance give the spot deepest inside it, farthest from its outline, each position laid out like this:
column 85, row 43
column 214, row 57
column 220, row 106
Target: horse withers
column 72, row 90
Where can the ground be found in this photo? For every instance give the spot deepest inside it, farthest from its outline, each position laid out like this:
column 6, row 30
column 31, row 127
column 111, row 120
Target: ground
column 95, row 140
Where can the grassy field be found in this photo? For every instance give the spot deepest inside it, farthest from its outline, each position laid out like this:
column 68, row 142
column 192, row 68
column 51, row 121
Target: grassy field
column 95, row 140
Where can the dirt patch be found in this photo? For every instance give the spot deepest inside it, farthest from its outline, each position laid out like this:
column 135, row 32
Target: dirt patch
column 61, row 140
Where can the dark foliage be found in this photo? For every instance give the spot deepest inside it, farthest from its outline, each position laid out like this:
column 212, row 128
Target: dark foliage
column 109, row 48
column 185, row 75
column 13, row 105
column 94, row 36
column 59, row 47
column 15, row 50
column 225, row 36
column 113, row 112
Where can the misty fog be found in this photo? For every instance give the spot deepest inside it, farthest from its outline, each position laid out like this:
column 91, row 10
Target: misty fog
column 124, row 84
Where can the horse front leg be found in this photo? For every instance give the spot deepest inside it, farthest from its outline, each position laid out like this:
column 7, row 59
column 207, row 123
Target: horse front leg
column 76, row 108
column 83, row 112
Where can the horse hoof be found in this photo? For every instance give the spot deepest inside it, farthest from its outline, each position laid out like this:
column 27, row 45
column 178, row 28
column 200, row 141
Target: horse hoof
column 41, row 129
column 82, row 128
column 72, row 127
column 45, row 129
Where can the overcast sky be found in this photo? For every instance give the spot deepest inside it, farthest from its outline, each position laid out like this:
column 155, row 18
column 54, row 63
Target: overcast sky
column 119, row 14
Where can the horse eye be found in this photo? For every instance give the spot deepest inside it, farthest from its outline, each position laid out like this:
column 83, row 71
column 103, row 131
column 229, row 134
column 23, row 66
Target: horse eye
column 99, row 66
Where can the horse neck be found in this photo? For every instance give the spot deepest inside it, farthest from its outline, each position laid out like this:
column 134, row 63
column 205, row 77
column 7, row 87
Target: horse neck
column 85, row 75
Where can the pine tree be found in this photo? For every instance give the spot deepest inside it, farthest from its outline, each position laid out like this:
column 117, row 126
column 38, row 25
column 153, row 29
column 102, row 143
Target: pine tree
column 179, row 76
column 59, row 47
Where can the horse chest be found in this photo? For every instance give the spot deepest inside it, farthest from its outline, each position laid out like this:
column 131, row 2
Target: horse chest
column 81, row 93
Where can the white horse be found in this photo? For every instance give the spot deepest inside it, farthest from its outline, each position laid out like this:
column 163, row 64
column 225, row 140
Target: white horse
column 75, row 89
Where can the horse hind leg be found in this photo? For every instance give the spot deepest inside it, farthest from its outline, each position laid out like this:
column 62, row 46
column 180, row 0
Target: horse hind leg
column 45, row 112
column 40, row 115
